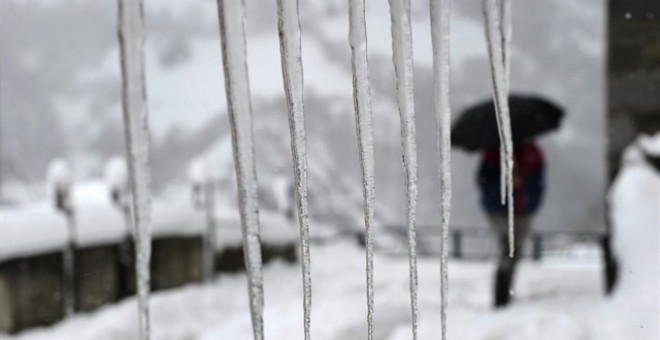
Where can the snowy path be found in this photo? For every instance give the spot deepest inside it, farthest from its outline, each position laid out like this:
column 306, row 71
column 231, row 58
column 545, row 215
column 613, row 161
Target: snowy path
column 555, row 300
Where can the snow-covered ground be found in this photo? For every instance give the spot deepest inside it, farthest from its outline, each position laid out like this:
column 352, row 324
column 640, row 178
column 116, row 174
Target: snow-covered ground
column 554, row 300
column 557, row 298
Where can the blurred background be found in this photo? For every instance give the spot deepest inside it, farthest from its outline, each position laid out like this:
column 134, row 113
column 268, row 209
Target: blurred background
column 62, row 104
column 60, row 91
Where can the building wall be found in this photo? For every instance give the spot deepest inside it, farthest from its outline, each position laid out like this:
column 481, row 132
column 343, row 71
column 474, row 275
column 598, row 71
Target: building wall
column 97, row 277
column 31, row 290
column 633, row 74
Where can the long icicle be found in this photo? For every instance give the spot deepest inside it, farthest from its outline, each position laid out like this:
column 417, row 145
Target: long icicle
column 500, row 88
column 505, row 27
column 364, row 125
column 403, row 67
column 440, row 26
column 136, row 124
column 237, row 87
column 292, row 72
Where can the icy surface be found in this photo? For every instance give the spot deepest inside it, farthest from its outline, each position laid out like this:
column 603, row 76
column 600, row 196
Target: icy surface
column 136, row 123
column 237, row 87
column 440, row 25
column 495, row 41
column 292, row 72
column 364, row 125
column 403, row 67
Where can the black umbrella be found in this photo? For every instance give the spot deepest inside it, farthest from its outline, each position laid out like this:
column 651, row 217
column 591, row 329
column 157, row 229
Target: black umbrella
column 476, row 129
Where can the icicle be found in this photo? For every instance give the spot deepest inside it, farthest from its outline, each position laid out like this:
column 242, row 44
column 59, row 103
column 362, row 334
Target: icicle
column 495, row 39
column 292, row 72
column 440, row 25
column 505, row 27
column 237, row 87
column 403, row 67
column 136, row 123
column 364, row 125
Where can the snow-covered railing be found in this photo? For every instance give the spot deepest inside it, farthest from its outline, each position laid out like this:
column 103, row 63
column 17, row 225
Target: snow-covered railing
column 497, row 14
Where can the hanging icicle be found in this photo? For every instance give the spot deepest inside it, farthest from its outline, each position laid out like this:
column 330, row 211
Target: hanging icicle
column 495, row 39
column 237, row 87
column 136, row 124
column 292, row 72
column 505, row 27
column 440, row 25
column 403, row 67
column 364, row 125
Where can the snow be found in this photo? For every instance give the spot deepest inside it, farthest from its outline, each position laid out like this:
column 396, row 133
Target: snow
column 237, row 87
column 558, row 298
column 635, row 198
column 197, row 173
column 292, row 73
column 650, row 144
column 58, row 175
column 440, row 34
column 99, row 225
column 403, row 66
column 36, row 229
column 116, row 173
column 556, row 301
column 40, row 228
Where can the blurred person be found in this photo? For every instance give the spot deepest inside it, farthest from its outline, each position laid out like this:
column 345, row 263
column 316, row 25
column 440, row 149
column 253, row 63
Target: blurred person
column 528, row 187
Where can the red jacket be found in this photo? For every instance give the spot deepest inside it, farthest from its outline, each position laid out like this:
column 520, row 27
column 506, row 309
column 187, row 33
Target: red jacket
column 528, row 179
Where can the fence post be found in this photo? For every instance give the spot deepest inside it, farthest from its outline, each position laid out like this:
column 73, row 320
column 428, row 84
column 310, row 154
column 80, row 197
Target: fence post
column 537, row 247
column 210, row 237
column 457, row 244
column 60, row 183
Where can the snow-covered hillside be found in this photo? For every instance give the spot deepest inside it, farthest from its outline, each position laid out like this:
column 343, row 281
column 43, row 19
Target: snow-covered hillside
column 556, row 54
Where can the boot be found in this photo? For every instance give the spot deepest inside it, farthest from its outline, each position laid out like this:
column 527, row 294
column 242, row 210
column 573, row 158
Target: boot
column 503, row 287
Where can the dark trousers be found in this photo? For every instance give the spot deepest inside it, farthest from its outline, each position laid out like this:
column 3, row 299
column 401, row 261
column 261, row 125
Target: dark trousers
column 506, row 266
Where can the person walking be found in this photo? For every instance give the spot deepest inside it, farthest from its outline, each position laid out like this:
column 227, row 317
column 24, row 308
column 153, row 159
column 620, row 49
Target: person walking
column 528, row 188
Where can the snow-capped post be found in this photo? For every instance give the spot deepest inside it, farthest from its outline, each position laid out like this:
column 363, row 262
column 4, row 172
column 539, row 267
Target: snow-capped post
column 364, row 125
column 59, row 186
column 203, row 192
column 292, row 73
column 211, row 230
column 131, row 36
column 237, row 87
column 496, row 45
column 197, row 178
column 116, row 177
column 440, row 25
column 403, row 67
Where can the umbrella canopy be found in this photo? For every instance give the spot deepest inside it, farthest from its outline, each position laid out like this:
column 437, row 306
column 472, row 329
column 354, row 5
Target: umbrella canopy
column 476, row 128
